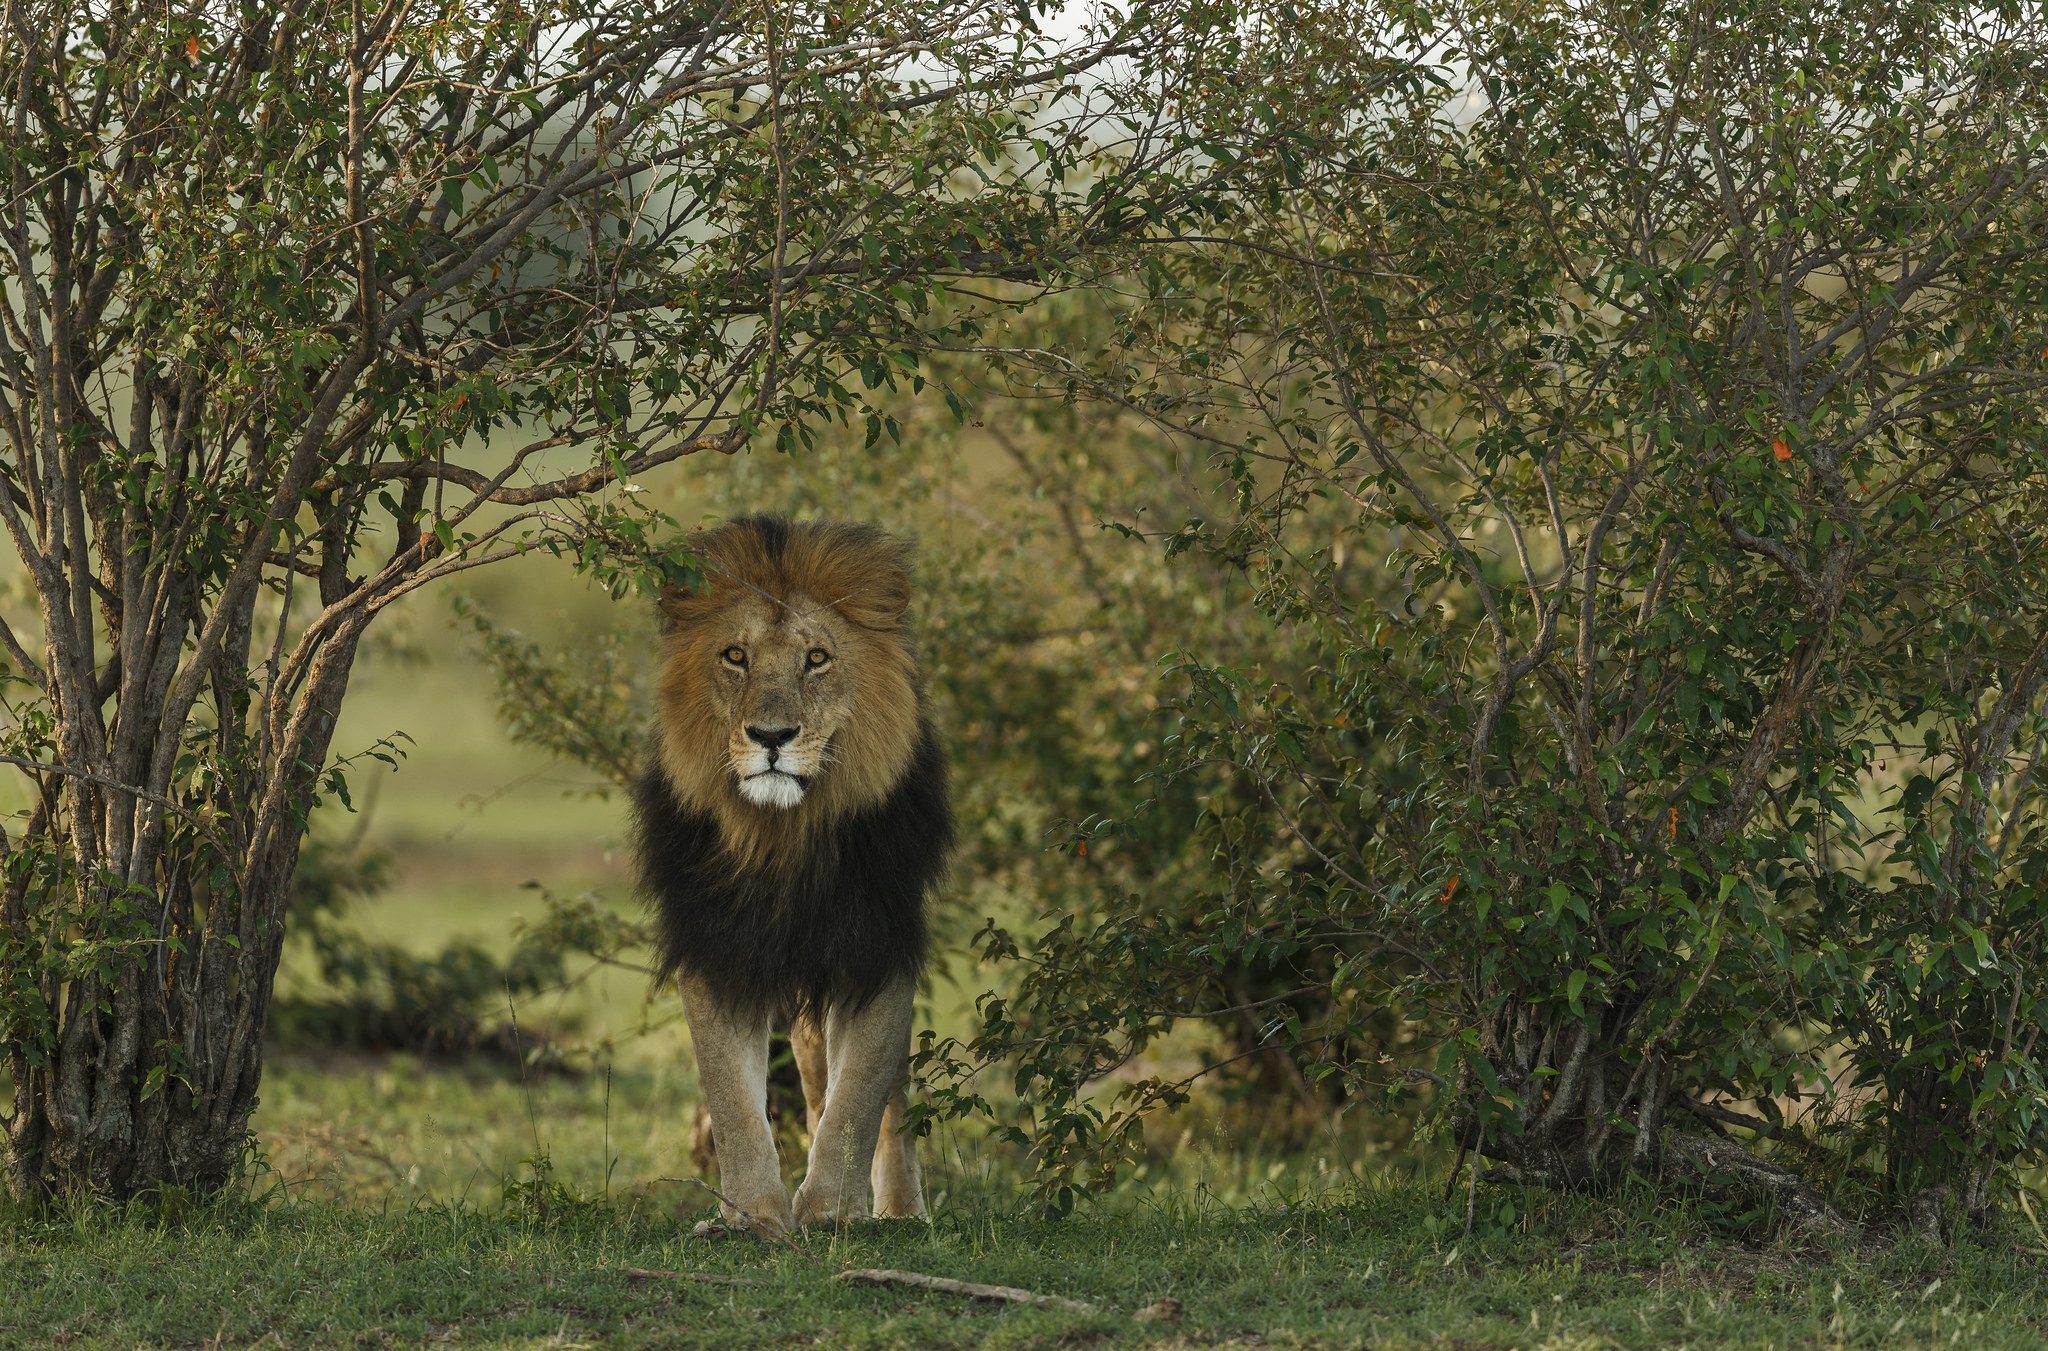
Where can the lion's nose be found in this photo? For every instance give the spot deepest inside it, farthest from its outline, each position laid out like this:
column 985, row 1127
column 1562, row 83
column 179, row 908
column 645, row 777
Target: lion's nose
column 773, row 738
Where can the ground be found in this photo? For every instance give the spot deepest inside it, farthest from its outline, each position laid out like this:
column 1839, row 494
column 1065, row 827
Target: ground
column 1370, row 1266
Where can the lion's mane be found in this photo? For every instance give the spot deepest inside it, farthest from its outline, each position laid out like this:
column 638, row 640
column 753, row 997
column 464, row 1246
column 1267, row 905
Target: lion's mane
column 824, row 905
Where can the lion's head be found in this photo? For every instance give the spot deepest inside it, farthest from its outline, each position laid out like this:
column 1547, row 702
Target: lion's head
column 789, row 692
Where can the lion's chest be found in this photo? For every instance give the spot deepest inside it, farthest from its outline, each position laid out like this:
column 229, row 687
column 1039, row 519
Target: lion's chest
column 838, row 926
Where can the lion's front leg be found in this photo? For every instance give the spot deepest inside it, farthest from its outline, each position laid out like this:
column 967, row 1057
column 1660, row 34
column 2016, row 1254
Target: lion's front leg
column 897, row 1180
column 866, row 1053
column 732, row 1072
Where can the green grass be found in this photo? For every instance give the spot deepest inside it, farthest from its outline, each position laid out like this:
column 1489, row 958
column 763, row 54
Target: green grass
column 397, row 1206
column 382, row 1131
column 1375, row 1266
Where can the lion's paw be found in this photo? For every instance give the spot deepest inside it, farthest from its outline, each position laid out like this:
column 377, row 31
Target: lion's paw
column 817, row 1207
column 759, row 1217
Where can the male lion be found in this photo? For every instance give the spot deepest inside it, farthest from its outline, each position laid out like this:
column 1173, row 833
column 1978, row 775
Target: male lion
column 789, row 828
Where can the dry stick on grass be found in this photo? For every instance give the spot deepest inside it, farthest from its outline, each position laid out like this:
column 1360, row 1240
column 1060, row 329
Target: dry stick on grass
column 972, row 1289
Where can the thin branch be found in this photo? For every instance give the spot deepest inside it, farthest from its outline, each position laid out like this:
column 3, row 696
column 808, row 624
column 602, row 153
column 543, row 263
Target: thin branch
column 200, row 823
column 1008, row 1294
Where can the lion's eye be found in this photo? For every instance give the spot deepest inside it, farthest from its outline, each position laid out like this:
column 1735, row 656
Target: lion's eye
column 736, row 656
column 816, row 657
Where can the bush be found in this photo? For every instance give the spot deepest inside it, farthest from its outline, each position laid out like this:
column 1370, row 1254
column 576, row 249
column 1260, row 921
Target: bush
column 1643, row 468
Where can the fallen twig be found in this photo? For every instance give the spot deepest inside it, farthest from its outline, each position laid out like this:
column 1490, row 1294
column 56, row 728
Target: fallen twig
column 973, row 1289
column 700, row 1277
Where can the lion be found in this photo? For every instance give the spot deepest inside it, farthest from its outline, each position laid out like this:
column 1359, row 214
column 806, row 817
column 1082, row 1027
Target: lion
column 791, row 822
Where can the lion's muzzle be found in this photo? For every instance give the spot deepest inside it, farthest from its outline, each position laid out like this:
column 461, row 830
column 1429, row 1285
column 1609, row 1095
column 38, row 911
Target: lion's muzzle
column 773, row 788
column 772, row 770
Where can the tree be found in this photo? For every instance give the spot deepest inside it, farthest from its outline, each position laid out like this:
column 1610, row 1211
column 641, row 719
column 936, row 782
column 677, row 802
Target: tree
column 1686, row 363
column 307, row 307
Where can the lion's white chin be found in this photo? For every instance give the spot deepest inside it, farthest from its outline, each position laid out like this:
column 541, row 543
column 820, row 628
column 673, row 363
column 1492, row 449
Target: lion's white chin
column 772, row 789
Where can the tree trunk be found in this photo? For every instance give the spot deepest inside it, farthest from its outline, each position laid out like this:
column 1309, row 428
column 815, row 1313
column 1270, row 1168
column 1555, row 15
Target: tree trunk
column 148, row 1073
column 1590, row 1115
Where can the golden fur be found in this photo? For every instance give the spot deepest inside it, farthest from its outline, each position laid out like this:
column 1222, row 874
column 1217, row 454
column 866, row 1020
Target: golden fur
column 781, row 591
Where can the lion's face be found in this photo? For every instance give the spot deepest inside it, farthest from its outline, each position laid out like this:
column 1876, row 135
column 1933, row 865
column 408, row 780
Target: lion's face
column 789, row 694
column 781, row 686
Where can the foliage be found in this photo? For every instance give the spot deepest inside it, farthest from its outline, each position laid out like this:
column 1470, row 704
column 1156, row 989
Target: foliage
column 308, row 308
column 1677, row 767
column 585, row 705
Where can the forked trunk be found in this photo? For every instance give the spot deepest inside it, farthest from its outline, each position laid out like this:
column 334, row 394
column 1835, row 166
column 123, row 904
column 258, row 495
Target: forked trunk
column 1590, row 1111
column 156, row 1064
column 138, row 986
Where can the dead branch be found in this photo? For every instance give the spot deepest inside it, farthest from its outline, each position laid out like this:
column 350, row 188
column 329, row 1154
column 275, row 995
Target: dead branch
column 1714, row 1112
column 1009, row 1294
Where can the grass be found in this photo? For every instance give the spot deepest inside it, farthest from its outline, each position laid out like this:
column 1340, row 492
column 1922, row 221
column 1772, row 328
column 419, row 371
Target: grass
column 396, row 1131
column 406, row 1203
column 1377, row 1265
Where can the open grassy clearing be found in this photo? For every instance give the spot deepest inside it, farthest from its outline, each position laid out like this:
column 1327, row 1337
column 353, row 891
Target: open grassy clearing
column 399, row 1207
column 392, row 1131
column 1374, row 1266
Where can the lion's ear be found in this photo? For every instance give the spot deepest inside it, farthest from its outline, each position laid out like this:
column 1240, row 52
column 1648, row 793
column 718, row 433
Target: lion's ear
column 894, row 583
column 884, row 594
column 678, row 607
column 878, row 587
column 665, row 613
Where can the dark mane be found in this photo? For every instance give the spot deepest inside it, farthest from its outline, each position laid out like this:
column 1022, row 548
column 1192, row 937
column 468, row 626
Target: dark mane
column 833, row 928
column 771, row 531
